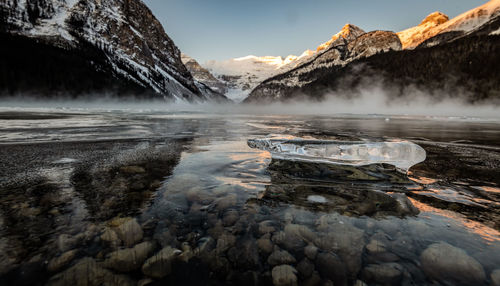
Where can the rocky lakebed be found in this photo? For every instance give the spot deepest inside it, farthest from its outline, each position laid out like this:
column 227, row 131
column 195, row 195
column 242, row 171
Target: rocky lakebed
column 120, row 197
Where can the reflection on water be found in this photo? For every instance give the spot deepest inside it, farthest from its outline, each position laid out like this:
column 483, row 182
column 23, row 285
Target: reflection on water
column 421, row 180
column 152, row 198
column 487, row 233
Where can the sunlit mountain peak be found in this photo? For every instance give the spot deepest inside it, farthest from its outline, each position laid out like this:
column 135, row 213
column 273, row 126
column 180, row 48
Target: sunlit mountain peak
column 348, row 32
column 438, row 23
column 427, row 28
column 436, row 18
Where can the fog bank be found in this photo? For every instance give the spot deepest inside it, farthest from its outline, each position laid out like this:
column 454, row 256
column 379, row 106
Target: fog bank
column 372, row 101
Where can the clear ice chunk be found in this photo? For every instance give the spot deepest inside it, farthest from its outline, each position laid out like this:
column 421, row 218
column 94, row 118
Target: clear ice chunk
column 401, row 154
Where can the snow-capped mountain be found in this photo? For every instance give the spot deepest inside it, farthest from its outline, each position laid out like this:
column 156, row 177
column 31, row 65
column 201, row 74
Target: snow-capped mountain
column 461, row 59
column 352, row 45
column 202, row 75
column 349, row 33
column 242, row 75
column 117, row 42
column 412, row 37
column 465, row 48
column 438, row 23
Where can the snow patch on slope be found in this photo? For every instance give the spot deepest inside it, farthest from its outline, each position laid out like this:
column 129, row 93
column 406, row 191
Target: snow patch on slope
column 497, row 32
column 56, row 25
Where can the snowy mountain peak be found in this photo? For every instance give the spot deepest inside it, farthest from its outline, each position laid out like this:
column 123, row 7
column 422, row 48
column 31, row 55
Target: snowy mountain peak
column 243, row 74
column 436, row 18
column 438, row 23
column 412, row 37
column 474, row 18
column 349, row 32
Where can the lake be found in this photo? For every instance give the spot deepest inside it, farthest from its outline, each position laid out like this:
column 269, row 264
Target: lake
column 148, row 197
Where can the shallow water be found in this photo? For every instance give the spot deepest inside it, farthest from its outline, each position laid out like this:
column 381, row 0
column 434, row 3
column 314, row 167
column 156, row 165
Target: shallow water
column 124, row 197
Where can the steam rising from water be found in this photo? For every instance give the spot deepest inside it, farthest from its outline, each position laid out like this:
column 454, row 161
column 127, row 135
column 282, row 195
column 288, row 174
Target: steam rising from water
column 367, row 101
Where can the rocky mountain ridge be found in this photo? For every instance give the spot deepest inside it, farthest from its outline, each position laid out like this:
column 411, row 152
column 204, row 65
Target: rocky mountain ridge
column 202, row 75
column 412, row 37
column 241, row 75
column 120, row 44
column 438, row 23
column 339, row 53
column 377, row 57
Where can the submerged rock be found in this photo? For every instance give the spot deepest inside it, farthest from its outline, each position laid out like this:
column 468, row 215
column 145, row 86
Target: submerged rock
column 314, row 280
column 375, row 247
column 345, row 240
column 302, row 231
column 385, row 274
column 380, row 249
column 205, row 245
column 305, row 267
column 226, row 202
column 330, row 266
column 244, row 254
column 266, row 226
column 86, row 273
column 495, row 277
column 66, row 242
column 311, row 251
column 132, row 170
column 144, row 282
column 225, row 242
column 404, row 205
column 59, row 262
column 129, row 259
column 129, row 231
column 284, row 275
column 265, row 245
column 449, row 264
column 198, row 194
column 187, row 252
column 280, row 257
column 359, row 283
column 160, row 265
column 110, row 237
column 7, row 259
column 289, row 241
column 230, row 217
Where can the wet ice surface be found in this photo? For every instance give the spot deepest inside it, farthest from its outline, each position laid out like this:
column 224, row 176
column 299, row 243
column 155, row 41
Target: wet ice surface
column 402, row 154
column 128, row 198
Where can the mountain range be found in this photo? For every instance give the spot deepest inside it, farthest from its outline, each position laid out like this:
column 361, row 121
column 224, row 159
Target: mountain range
column 91, row 48
column 117, row 48
column 440, row 55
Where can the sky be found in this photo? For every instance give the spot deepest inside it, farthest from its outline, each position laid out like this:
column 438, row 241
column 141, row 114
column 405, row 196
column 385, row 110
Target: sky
column 224, row 29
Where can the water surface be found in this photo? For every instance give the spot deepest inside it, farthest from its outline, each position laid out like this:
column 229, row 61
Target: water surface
column 148, row 197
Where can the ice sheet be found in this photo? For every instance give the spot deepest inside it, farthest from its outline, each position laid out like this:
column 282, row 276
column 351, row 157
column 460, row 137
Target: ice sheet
column 401, row 154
